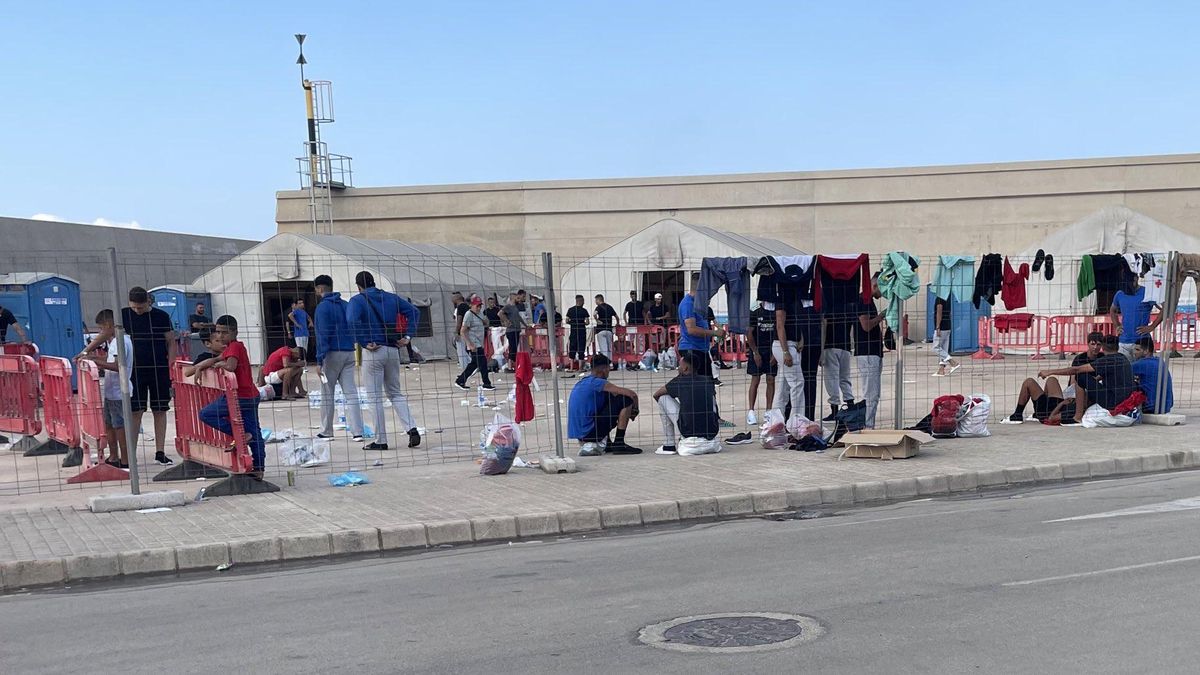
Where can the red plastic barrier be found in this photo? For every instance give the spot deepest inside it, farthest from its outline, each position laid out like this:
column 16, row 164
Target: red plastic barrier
column 199, row 442
column 631, row 342
column 1036, row 338
column 1185, row 334
column 58, row 401
column 538, row 340
column 21, row 349
column 673, row 335
column 733, row 348
column 89, row 410
column 20, row 386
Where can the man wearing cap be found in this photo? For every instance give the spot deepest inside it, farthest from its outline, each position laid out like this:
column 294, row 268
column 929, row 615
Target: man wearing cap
column 474, row 328
column 659, row 312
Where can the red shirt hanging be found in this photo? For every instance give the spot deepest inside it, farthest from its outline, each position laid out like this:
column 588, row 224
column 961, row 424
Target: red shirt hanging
column 1013, row 288
column 524, row 410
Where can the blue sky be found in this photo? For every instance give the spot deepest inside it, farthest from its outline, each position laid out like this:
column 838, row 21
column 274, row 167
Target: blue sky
column 186, row 116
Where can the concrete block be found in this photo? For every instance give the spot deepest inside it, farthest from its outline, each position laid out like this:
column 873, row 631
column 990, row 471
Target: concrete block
column 363, row 540
column 625, row 515
column 1101, row 467
column 397, row 537
column 932, row 485
column 1075, row 470
column 1048, row 472
column 901, row 488
column 148, row 561
column 254, row 551
column 537, row 524
column 967, row 481
column 126, row 502
column 659, row 512
column 300, row 546
column 1164, row 420
column 1127, row 465
column 201, row 556
column 449, row 532
column 991, row 478
column 870, row 491
column 798, row 499
column 22, row 573
column 1154, row 463
column 579, row 520
column 93, row 566
column 1021, row 474
column 699, row 507
column 735, row 505
column 494, row 529
column 552, row 464
column 837, row 494
column 1178, row 459
column 769, row 502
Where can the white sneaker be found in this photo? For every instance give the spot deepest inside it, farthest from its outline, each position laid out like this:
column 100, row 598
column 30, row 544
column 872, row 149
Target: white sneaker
column 752, row 419
column 663, row 451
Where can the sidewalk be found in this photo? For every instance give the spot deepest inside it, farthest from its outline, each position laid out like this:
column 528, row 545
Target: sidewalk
column 415, row 507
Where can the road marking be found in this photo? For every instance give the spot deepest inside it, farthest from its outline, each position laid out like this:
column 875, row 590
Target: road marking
column 1111, row 570
column 1189, row 504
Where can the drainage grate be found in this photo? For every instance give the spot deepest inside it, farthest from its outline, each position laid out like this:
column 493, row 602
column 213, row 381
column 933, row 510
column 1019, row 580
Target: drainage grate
column 732, row 632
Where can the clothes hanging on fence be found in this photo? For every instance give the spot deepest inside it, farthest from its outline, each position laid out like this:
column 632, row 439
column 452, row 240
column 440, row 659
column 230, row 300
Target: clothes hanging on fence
column 954, row 276
column 524, row 410
column 734, row 275
column 1151, row 269
column 898, row 281
column 1107, row 272
column 1189, row 266
column 1013, row 288
column 840, row 281
column 988, row 280
column 794, row 271
column 1007, row 322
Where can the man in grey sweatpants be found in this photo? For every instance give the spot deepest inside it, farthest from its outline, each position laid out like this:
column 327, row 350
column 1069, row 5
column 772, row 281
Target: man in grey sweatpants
column 335, row 359
column 836, row 360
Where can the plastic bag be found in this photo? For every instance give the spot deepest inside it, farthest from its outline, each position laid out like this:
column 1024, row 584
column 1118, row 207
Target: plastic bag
column 670, row 359
column 973, row 416
column 500, row 442
column 800, row 426
column 649, row 360
column 304, row 452
column 773, row 433
column 350, row 478
column 1097, row 416
column 687, row 447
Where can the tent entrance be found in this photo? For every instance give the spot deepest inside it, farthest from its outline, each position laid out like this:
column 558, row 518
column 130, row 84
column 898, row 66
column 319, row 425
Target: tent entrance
column 670, row 283
column 277, row 299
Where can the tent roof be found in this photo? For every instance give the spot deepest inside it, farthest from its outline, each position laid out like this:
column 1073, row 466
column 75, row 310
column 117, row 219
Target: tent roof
column 1116, row 229
column 670, row 233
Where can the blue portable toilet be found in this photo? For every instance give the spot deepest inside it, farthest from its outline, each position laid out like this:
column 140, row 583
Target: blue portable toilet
column 48, row 307
column 964, row 321
column 180, row 302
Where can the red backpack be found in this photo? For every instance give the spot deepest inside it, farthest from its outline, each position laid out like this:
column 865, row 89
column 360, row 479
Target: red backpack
column 945, row 415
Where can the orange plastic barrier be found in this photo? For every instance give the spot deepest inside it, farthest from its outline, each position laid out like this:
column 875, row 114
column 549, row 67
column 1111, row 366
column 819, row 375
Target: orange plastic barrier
column 1184, row 334
column 673, row 335
column 538, row 340
column 89, row 410
column 19, row 390
column 197, row 442
column 631, row 342
column 733, row 348
column 58, row 403
column 1069, row 333
column 1036, row 338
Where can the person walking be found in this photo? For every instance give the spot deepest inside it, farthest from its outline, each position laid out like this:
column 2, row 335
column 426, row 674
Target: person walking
column 372, row 318
column 474, row 329
column 301, row 324
column 335, row 359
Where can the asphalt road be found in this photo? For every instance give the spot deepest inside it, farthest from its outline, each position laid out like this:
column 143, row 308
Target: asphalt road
column 981, row 584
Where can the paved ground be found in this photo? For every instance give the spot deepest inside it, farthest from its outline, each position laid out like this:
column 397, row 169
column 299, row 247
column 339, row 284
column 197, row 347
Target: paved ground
column 995, row 584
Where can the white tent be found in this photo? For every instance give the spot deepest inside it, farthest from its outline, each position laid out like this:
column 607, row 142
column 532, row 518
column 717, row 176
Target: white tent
column 1112, row 229
column 667, row 245
column 425, row 273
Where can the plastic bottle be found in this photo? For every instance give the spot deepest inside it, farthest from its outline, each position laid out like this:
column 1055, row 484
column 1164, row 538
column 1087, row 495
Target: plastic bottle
column 481, row 401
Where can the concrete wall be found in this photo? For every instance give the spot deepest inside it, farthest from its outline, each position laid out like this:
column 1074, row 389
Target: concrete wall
column 928, row 210
column 145, row 258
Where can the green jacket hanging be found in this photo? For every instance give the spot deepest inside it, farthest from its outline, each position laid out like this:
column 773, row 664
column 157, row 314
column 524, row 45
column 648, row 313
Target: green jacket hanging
column 897, row 281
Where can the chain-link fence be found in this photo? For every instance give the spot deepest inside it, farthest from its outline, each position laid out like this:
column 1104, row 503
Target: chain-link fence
column 897, row 355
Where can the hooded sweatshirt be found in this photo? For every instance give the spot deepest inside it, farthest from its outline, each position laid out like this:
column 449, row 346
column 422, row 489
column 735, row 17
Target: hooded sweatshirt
column 333, row 331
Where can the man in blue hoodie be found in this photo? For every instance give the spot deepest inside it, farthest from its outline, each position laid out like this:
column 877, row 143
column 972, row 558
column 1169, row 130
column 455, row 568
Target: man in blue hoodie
column 372, row 317
column 335, row 359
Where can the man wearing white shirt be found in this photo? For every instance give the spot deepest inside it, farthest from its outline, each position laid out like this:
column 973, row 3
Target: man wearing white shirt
column 114, row 421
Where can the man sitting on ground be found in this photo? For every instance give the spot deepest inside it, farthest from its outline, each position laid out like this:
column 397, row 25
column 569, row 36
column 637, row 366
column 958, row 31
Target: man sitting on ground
column 1049, row 399
column 1106, row 382
column 687, row 406
column 598, row 406
column 1146, row 370
column 283, row 370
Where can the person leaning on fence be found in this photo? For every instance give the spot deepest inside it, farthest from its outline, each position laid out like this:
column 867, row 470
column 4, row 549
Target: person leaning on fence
column 1146, row 370
column 1105, row 381
column 687, row 406
column 236, row 360
column 372, row 318
column 335, row 360
column 577, row 324
column 473, row 333
column 596, row 408
column 283, row 371
column 114, row 419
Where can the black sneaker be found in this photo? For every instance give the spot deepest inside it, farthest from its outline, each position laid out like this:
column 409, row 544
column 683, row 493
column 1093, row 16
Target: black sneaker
column 460, row 385
column 622, row 448
column 740, row 439
column 832, row 416
column 324, row 436
column 161, row 458
column 414, row 438
column 375, row 446
column 489, row 387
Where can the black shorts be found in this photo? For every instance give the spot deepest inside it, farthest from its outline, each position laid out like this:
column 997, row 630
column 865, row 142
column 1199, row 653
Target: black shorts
column 577, row 343
column 607, row 416
column 151, row 389
column 768, row 367
column 1044, row 405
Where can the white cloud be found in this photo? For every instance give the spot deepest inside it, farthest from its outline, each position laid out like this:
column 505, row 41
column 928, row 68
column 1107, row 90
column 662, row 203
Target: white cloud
column 102, row 222
column 46, row 216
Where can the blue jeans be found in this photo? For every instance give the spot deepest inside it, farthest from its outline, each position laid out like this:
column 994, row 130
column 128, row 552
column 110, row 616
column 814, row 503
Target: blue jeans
column 216, row 415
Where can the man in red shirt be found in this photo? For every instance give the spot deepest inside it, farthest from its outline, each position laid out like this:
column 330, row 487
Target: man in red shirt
column 284, row 370
column 234, row 359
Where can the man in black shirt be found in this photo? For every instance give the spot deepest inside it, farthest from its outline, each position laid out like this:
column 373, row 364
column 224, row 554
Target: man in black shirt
column 577, row 323
column 868, row 352
column 7, row 319
column 760, row 361
column 1052, row 401
column 1105, row 381
column 460, row 311
column 688, row 410
column 635, row 311
column 491, row 313
column 659, row 312
column 941, row 337
column 606, row 317
column 836, row 357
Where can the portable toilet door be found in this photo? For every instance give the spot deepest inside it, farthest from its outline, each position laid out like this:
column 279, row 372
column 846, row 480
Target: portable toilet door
column 964, row 321
column 56, row 316
column 172, row 301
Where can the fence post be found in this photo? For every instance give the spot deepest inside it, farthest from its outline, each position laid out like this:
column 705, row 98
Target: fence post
column 898, row 385
column 1170, row 305
column 123, row 372
column 552, row 343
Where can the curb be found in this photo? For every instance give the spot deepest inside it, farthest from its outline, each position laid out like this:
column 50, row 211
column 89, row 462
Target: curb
column 22, row 574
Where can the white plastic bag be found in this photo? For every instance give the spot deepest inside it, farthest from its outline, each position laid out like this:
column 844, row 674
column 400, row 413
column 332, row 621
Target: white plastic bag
column 773, row 433
column 500, row 442
column 670, row 359
column 1097, row 416
column 649, row 360
column 687, row 447
column 800, row 426
column 973, row 416
column 304, row 451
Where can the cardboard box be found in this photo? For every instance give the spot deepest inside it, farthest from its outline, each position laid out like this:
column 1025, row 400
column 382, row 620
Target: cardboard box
column 883, row 444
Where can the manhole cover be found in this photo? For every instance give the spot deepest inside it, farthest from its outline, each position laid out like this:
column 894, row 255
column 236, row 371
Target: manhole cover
column 732, row 632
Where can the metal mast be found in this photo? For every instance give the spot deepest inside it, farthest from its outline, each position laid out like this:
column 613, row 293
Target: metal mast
column 320, row 171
